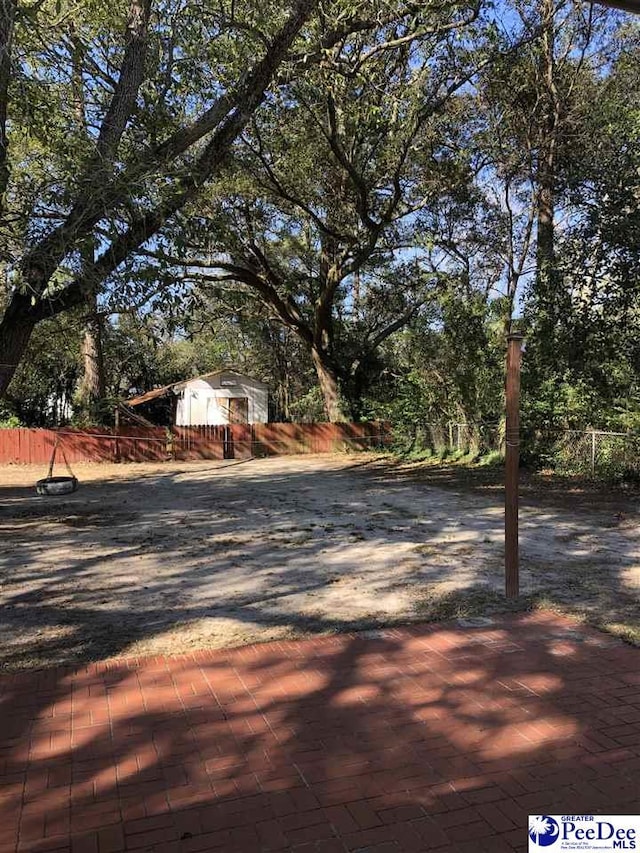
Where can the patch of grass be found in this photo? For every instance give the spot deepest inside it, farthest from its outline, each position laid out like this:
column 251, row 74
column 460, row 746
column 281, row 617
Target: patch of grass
column 224, row 542
column 485, row 475
column 420, row 456
column 463, row 458
column 492, row 459
column 440, row 605
column 297, row 541
column 628, row 632
column 427, row 549
column 443, row 605
column 461, row 550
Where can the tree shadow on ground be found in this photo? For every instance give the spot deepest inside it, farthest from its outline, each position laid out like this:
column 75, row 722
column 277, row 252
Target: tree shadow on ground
column 272, row 550
column 537, row 488
column 430, row 737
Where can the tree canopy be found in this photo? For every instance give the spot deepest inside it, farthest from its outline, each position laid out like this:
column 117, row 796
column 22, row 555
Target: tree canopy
column 353, row 201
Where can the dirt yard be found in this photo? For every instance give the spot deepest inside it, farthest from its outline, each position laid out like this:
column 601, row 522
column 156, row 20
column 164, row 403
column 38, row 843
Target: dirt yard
column 165, row 558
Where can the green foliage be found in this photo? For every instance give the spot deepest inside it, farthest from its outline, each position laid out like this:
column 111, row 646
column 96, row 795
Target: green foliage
column 583, row 363
column 492, row 459
column 8, row 418
column 447, row 367
column 44, row 386
column 309, row 407
column 330, row 212
column 387, row 213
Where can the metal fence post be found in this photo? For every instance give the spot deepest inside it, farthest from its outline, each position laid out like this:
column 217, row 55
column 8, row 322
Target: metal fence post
column 593, row 453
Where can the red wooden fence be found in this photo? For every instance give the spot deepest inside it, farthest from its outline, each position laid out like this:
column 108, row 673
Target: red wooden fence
column 156, row 444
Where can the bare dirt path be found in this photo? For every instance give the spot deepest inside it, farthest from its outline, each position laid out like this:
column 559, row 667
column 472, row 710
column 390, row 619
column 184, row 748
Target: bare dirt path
column 164, row 558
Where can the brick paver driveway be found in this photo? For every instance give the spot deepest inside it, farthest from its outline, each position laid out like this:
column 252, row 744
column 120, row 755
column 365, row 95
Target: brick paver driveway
column 430, row 737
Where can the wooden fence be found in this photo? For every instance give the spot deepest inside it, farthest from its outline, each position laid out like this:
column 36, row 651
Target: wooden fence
column 156, row 444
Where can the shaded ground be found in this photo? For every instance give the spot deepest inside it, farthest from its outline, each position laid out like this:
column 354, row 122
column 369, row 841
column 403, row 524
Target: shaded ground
column 148, row 559
column 537, row 488
column 425, row 738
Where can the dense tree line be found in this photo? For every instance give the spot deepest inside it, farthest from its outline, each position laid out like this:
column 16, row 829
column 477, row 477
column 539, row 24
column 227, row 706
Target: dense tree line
column 353, row 202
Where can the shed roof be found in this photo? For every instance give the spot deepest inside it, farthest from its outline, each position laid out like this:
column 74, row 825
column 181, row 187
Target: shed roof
column 228, row 370
column 175, row 386
column 149, row 395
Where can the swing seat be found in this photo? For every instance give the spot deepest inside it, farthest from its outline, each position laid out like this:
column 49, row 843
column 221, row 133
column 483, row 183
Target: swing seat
column 51, row 485
column 56, row 485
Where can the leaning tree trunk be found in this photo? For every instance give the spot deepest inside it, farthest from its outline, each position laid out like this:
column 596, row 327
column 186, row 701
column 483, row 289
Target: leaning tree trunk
column 222, row 123
column 328, row 381
column 16, row 328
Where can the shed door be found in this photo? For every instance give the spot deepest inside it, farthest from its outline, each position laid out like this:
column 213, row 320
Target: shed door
column 238, row 410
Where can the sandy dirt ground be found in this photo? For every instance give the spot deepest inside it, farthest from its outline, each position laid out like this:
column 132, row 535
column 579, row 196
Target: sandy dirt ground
column 165, row 558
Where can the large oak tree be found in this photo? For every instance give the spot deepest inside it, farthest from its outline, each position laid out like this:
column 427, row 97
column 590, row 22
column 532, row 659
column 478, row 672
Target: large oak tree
column 168, row 86
column 329, row 212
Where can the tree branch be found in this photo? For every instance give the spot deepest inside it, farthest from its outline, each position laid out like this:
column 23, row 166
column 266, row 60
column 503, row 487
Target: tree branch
column 42, row 261
column 286, row 310
column 416, row 35
column 7, row 21
column 129, row 81
column 398, row 323
column 285, row 194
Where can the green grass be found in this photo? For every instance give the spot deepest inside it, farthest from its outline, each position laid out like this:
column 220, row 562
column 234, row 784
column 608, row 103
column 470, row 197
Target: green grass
column 466, row 458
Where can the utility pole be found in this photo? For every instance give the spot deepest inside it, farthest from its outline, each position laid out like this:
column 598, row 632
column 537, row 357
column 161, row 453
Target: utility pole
column 512, row 462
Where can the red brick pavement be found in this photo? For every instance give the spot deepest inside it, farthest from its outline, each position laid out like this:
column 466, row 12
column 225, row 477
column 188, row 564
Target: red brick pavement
column 425, row 738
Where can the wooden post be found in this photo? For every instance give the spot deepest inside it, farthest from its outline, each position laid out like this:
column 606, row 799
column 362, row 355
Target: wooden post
column 512, row 461
column 116, row 431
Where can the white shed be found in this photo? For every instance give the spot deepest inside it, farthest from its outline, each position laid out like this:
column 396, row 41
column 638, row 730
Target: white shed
column 218, row 398
column 223, row 397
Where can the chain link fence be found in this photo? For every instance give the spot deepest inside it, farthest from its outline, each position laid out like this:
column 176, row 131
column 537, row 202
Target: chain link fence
column 446, row 439
column 597, row 453
column 589, row 453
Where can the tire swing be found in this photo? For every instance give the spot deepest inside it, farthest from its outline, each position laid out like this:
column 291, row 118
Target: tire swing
column 51, row 485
